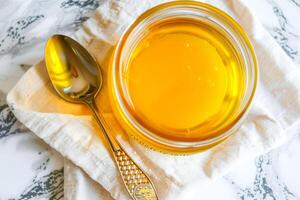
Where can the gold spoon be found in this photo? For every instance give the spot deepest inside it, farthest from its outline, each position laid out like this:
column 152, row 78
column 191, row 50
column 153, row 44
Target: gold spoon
column 77, row 78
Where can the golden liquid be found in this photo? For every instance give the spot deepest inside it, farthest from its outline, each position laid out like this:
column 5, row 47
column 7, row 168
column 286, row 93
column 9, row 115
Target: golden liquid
column 184, row 80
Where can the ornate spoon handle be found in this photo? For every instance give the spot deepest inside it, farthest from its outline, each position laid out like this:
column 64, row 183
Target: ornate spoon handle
column 137, row 183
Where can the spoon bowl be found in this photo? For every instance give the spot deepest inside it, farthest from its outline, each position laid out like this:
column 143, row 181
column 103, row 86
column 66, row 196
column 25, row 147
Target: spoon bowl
column 74, row 73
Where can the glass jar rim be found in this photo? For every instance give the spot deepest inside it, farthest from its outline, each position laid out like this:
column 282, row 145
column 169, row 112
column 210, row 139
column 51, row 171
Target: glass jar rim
column 207, row 11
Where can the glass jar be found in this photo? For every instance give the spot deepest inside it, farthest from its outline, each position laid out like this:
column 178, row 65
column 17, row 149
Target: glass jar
column 202, row 12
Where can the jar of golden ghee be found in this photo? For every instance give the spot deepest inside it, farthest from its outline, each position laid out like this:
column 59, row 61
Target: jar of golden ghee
column 182, row 77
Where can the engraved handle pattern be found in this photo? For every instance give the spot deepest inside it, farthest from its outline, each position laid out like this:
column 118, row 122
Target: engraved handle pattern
column 137, row 183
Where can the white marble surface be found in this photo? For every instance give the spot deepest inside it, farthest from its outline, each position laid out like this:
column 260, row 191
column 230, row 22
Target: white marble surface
column 29, row 169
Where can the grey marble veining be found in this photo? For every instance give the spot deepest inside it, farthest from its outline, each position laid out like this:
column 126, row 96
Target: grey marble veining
column 33, row 22
column 30, row 169
column 266, row 184
column 280, row 19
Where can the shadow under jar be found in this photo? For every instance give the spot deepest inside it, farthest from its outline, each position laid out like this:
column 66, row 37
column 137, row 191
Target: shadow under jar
column 182, row 77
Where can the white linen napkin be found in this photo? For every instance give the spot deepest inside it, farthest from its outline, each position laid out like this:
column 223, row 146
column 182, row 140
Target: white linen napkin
column 71, row 131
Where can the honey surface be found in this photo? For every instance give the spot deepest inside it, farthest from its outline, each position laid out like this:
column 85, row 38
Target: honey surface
column 184, row 80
